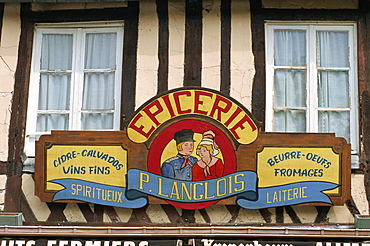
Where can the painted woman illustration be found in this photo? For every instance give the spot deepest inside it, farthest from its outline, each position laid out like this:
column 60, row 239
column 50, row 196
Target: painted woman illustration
column 209, row 166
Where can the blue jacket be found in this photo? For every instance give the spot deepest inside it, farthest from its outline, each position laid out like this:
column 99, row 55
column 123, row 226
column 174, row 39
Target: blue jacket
column 171, row 168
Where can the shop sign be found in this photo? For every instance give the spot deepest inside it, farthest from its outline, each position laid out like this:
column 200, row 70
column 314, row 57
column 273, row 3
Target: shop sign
column 173, row 242
column 192, row 147
column 220, row 242
column 78, row 242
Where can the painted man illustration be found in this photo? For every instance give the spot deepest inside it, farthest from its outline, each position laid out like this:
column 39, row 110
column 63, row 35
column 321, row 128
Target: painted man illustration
column 180, row 166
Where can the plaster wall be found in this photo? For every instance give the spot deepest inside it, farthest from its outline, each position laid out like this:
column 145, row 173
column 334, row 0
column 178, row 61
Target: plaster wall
column 242, row 59
column 211, row 46
column 176, row 22
column 8, row 62
column 147, row 53
column 242, row 65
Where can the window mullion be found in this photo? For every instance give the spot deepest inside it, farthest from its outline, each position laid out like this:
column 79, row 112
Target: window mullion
column 312, row 96
column 34, row 87
column 118, row 79
column 352, row 42
column 269, row 126
column 78, row 80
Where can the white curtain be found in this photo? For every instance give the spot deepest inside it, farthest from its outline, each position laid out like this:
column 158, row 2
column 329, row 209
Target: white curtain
column 290, row 88
column 98, row 96
column 290, row 84
column 98, row 85
column 290, row 48
column 55, row 81
column 333, row 85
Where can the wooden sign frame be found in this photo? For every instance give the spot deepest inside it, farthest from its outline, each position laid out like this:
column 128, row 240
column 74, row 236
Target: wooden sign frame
column 313, row 169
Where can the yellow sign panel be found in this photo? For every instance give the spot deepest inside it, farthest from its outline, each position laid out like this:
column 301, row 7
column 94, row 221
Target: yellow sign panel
column 100, row 164
column 283, row 165
column 193, row 102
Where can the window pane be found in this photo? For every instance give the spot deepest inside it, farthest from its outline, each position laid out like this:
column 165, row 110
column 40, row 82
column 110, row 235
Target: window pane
column 48, row 122
column 333, row 49
column 289, row 120
column 97, row 121
column 333, row 89
column 54, row 91
column 98, row 91
column 335, row 122
column 290, row 88
column 56, row 52
column 290, row 48
column 100, row 51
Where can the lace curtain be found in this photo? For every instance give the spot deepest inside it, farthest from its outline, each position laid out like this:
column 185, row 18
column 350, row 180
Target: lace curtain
column 291, row 88
column 61, row 98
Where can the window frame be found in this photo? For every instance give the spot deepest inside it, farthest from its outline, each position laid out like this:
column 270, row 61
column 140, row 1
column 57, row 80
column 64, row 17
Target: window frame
column 77, row 73
column 311, row 74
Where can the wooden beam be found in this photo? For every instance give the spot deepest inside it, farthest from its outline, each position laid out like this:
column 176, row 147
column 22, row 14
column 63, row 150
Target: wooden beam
column 163, row 45
column 225, row 46
column 193, row 43
column 129, row 62
column 18, row 117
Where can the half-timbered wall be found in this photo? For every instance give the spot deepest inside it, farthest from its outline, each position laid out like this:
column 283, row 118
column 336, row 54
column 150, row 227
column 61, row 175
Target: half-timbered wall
column 217, row 44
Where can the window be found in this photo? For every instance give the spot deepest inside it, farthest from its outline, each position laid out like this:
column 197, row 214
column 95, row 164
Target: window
column 311, row 79
column 75, row 79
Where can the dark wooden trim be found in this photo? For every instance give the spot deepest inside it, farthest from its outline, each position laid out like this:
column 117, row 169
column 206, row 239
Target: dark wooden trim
column 266, row 215
column 26, row 210
column 163, row 45
column 279, row 215
column 76, row 15
column 56, row 212
column 292, row 214
column 365, row 105
column 364, row 91
column 129, row 62
column 13, row 188
column 86, row 211
column 351, row 205
column 234, row 211
column 139, row 216
column 205, row 215
column 112, row 214
column 188, row 216
column 258, row 49
column 98, row 213
column 364, row 5
column 225, row 46
column 2, row 5
column 322, row 214
column 3, row 166
column 193, row 43
column 172, row 213
column 363, row 81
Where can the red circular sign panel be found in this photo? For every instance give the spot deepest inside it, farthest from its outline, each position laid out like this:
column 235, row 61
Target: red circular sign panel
column 163, row 139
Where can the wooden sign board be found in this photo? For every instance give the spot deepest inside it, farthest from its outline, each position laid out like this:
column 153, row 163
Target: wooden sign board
column 192, row 148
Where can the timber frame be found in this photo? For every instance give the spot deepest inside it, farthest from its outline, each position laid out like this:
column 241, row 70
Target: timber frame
column 362, row 17
column 18, row 119
column 130, row 14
